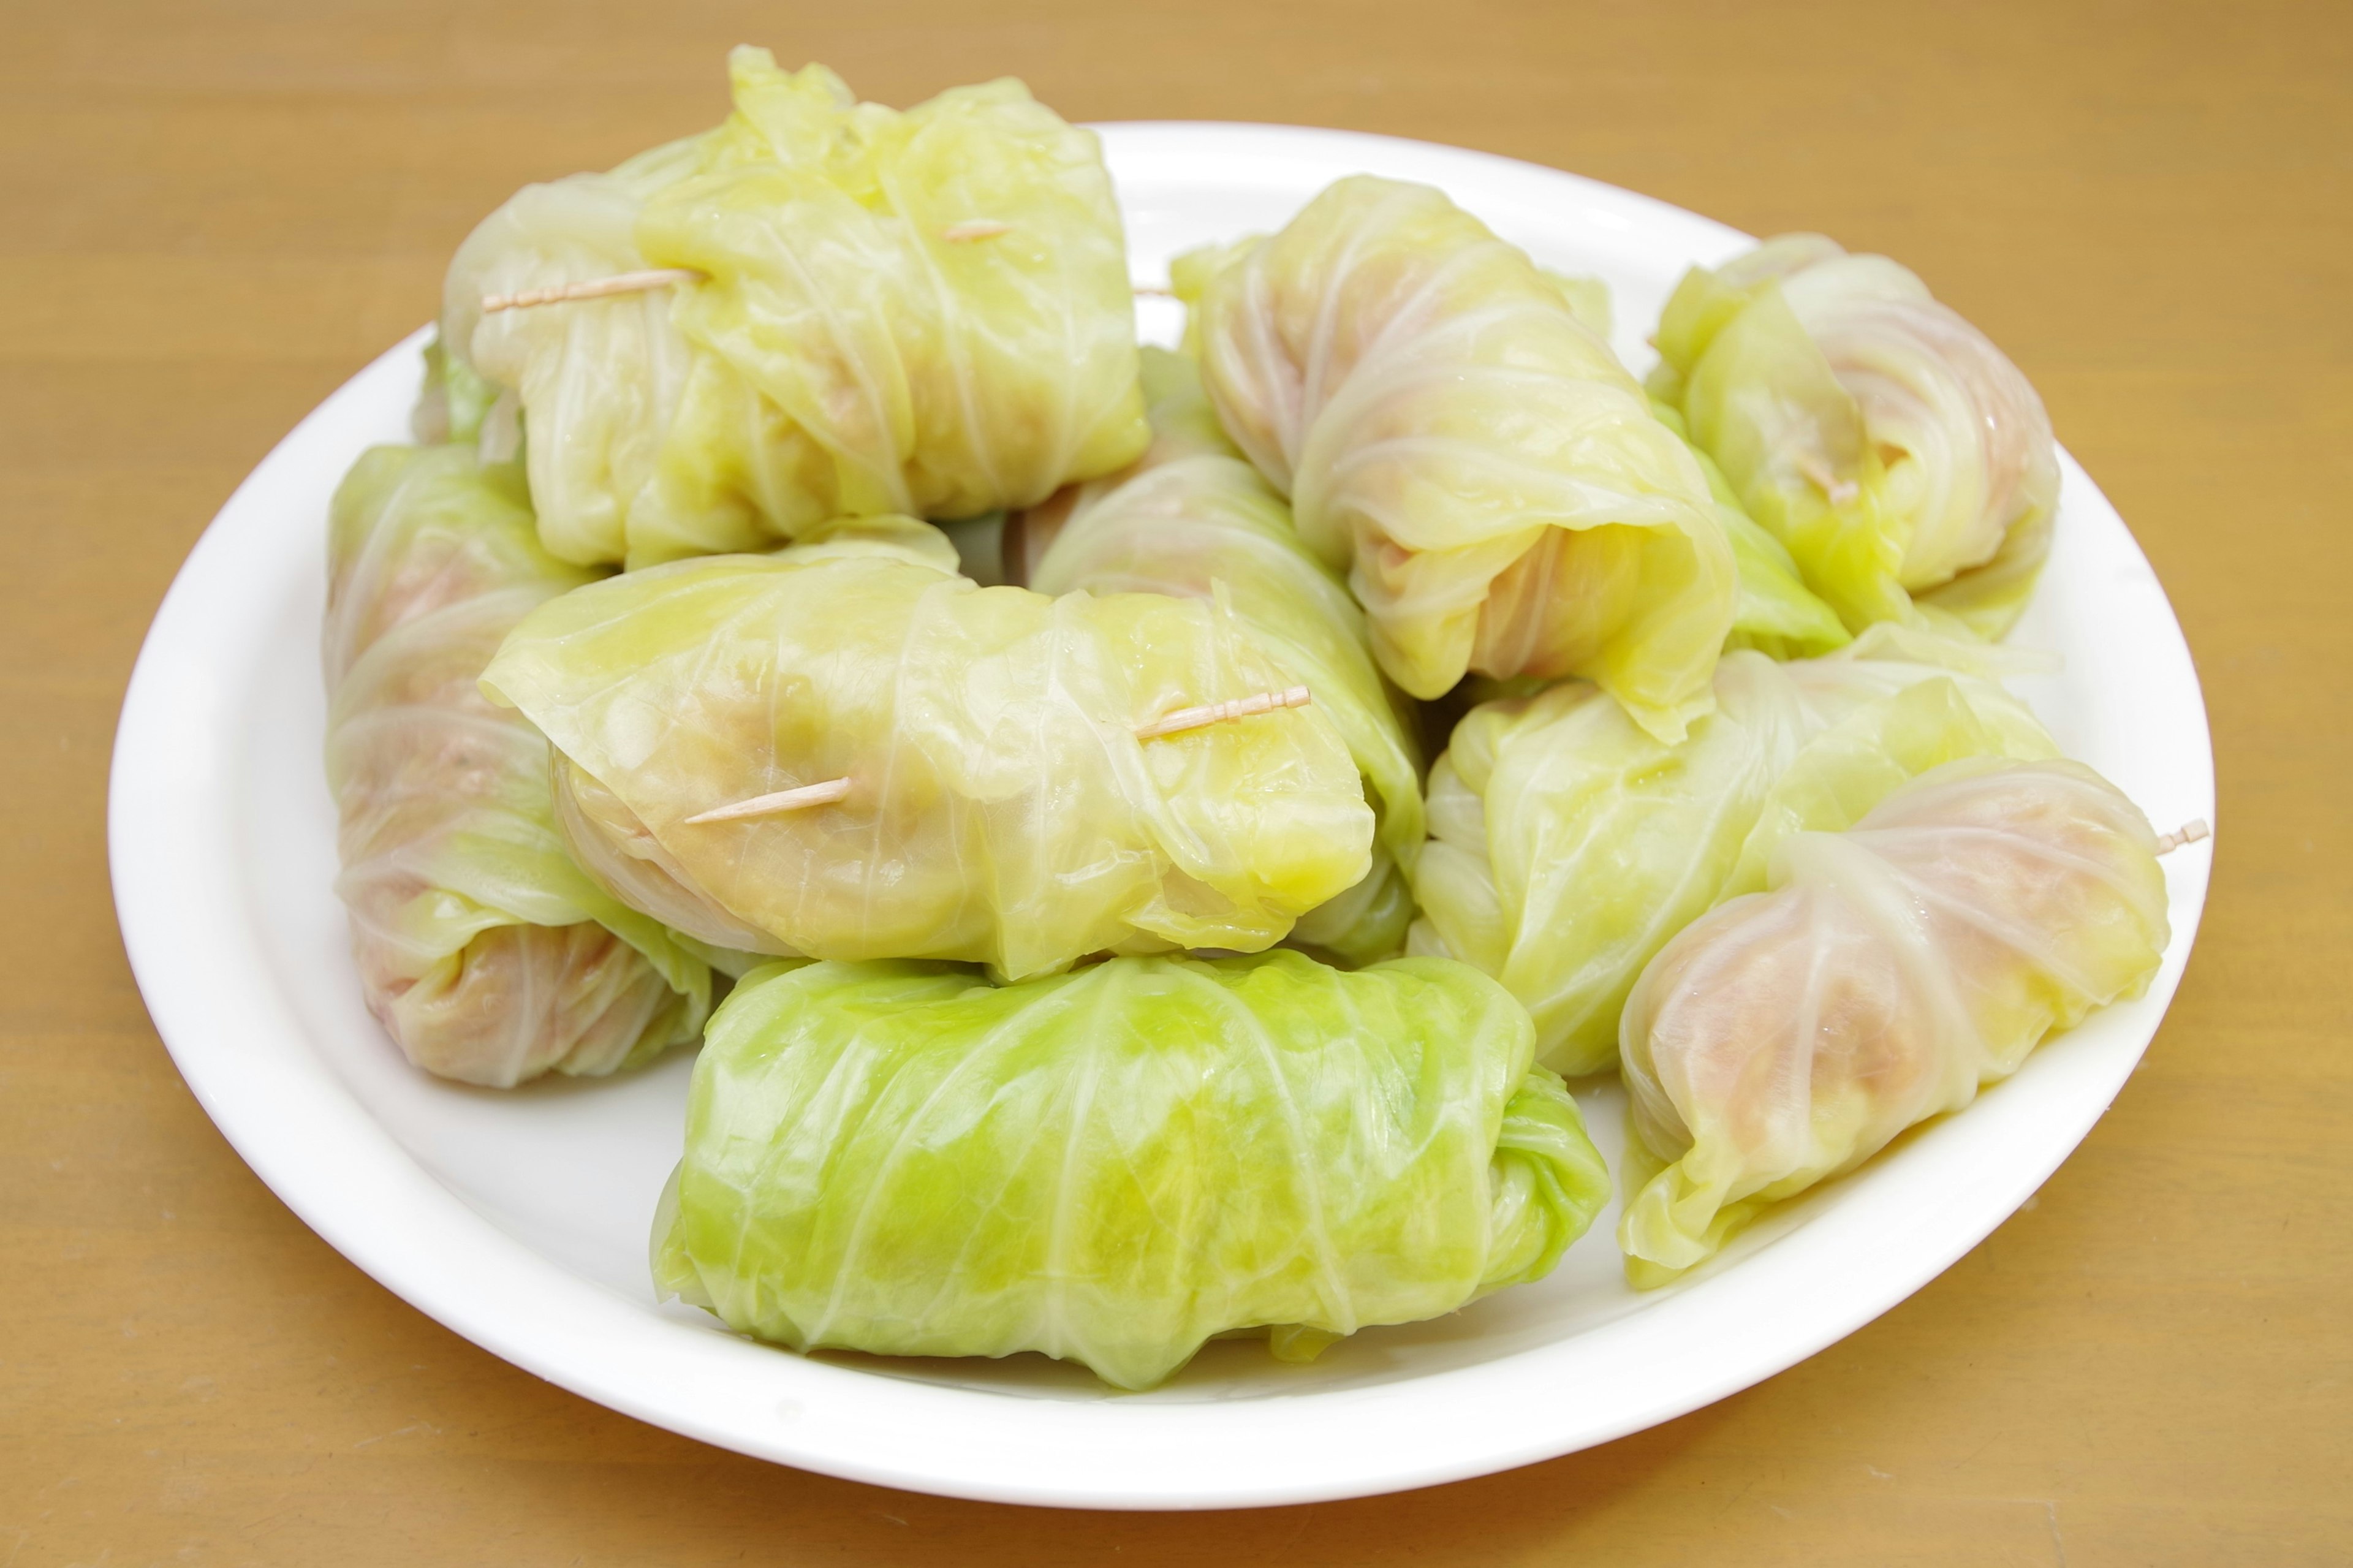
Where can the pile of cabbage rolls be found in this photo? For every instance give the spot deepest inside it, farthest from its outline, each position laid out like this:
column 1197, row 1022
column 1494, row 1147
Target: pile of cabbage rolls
column 810, row 625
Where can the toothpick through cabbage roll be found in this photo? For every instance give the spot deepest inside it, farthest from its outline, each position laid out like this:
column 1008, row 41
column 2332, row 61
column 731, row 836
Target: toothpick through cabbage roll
column 1000, row 808
column 924, row 312
column 1192, row 517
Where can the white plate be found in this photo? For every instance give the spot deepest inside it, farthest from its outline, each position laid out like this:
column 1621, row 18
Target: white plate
column 520, row 1219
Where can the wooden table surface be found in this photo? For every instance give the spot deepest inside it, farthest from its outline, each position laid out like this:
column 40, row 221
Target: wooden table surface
column 211, row 215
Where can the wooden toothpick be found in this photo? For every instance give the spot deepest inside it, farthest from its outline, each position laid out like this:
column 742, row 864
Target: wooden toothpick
column 1209, row 713
column 776, row 805
column 963, row 233
column 591, row 289
column 2189, row 831
column 1177, row 723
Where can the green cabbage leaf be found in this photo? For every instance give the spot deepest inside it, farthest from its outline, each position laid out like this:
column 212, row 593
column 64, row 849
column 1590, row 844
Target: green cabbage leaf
column 1886, row 974
column 1905, row 462
column 485, row 951
column 924, row 312
column 1193, row 518
column 1568, row 845
column 1001, row 808
column 1112, row 1166
column 1777, row 615
column 1452, row 436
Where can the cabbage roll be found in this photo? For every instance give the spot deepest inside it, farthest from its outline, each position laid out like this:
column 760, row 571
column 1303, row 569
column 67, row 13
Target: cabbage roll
column 1112, row 1166
column 1001, row 808
column 1568, row 846
column 481, row 947
column 1889, row 973
column 1489, row 478
column 1193, row 518
column 924, row 313
column 1905, row 462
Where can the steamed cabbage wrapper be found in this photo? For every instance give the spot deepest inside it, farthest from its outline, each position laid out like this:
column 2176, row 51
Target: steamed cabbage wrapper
column 1905, row 461
column 1587, row 299
column 1488, row 475
column 1112, row 1166
column 922, row 312
column 1889, row 973
column 1193, row 518
column 1001, row 809
column 1776, row 614
column 1568, row 846
column 612, row 844
column 481, row 947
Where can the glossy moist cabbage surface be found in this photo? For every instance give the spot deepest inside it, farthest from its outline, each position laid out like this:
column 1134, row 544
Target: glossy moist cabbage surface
column 1001, row 811
column 481, row 947
column 1112, row 1166
column 1192, row 517
column 924, row 312
column 1568, row 845
column 1890, row 972
column 1492, row 481
column 1904, row 460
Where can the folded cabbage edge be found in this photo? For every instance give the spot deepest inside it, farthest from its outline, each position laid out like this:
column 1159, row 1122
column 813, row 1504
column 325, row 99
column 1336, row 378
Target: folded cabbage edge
column 1955, row 966
column 1906, row 464
column 924, row 311
column 432, row 557
column 1192, row 517
column 1568, row 845
column 1117, row 1164
column 1002, row 810
column 1777, row 614
column 1451, row 436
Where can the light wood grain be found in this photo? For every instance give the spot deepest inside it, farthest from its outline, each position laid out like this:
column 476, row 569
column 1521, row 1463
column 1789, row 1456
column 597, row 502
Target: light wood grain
column 215, row 214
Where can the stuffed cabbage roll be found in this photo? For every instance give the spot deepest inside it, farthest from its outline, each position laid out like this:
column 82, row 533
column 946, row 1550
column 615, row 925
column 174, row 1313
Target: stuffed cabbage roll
column 1568, row 846
column 1900, row 458
column 920, row 312
column 1889, row 973
column 1000, row 808
column 1492, row 481
column 481, row 947
column 1112, row 1166
column 1193, row 519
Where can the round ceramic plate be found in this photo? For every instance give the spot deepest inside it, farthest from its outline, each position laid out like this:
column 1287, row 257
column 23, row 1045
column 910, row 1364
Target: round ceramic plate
column 520, row 1218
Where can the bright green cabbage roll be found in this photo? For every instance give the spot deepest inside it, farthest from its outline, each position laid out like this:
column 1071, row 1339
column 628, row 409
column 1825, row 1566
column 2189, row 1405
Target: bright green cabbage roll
column 1490, row 479
column 1568, row 846
column 1905, row 461
column 481, row 947
column 1112, row 1166
column 1192, row 517
column 1001, row 808
column 1889, row 973
column 923, row 312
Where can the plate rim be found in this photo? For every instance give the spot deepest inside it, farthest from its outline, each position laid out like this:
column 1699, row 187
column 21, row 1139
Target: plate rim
column 420, row 1240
